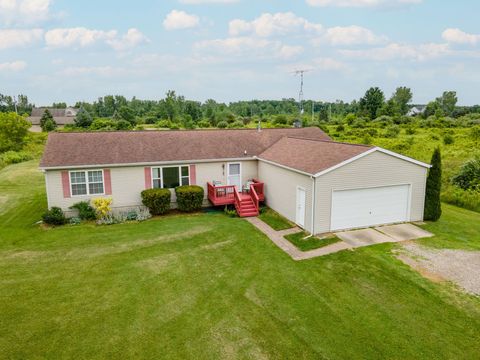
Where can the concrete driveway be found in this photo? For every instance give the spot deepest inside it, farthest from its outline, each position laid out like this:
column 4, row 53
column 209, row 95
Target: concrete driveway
column 382, row 234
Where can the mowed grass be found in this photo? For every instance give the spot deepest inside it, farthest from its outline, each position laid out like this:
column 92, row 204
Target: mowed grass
column 305, row 243
column 275, row 220
column 208, row 286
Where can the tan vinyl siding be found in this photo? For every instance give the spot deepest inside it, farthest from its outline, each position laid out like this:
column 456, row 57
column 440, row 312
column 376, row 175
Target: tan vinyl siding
column 129, row 182
column 281, row 191
column 375, row 169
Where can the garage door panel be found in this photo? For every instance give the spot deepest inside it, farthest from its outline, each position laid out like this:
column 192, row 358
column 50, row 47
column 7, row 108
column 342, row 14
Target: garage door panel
column 368, row 207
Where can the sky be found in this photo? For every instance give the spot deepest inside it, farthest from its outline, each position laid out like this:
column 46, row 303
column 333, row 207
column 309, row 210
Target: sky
column 229, row 50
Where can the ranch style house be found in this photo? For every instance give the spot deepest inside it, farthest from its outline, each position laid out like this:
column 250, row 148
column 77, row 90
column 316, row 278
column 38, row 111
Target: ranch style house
column 319, row 184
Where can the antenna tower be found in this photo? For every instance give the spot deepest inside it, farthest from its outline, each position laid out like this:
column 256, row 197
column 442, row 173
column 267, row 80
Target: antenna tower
column 300, row 94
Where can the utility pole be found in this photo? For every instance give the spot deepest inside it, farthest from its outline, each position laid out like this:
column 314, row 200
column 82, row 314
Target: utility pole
column 313, row 111
column 300, row 94
column 15, row 104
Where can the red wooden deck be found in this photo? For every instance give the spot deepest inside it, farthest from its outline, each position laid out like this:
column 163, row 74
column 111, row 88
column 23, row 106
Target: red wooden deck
column 246, row 204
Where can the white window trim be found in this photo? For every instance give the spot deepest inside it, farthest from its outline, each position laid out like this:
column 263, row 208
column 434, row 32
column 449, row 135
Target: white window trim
column 161, row 174
column 86, row 182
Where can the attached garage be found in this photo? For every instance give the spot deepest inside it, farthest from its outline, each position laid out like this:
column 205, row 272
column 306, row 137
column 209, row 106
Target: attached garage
column 357, row 208
column 352, row 186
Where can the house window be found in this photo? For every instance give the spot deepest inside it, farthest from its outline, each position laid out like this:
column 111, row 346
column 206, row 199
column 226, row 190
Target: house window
column 86, row 182
column 170, row 177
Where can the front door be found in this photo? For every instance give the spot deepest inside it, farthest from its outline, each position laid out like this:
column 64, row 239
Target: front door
column 300, row 212
column 234, row 175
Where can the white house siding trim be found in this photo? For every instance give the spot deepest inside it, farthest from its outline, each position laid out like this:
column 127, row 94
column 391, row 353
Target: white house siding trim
column 377, row 169
column 129, row 181
column 281, row 190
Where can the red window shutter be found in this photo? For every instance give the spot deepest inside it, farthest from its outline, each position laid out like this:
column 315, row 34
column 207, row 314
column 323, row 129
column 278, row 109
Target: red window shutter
column 108, row 181
column 148, row 178
column 193, row 175
column 66, row 184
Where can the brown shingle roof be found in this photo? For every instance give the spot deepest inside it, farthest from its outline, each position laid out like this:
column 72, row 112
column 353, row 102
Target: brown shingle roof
column 61, row 116
column 127, row 147
column 311, row 156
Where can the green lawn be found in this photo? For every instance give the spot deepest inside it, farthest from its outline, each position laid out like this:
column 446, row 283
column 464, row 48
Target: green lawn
column 207, row 286
column 304, row 244
column 275, row 220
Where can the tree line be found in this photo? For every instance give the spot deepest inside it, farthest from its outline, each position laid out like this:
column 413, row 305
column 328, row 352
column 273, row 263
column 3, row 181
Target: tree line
column 116, row 111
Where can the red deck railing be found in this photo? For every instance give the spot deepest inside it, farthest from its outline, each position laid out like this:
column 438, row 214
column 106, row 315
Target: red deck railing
column 221, row 195
column 228, row 194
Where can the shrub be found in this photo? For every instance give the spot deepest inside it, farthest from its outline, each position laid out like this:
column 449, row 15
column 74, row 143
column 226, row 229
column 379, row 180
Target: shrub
column 204, row 124
column 74, row 220
column 222, row 124
column 230, row 211
column 54, row 216
column 280, row 119
column 392, row 131
column 164, row 124
column 340, row 128
column 236, row 125
column 410, row 131
column 102, row 124
column 156, row 200
column 123, row 125
column 85, row 211
column 469, row 175
column 189, row 197
column 15, row 157
column 102, row 207
column 433, row 209
column 448, row 139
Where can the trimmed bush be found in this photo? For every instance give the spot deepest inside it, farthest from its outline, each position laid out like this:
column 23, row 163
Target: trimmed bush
column 54, row 216
column 85, row 211
column 433, row 206
column 222, row 124
column 189, row 197
column 156, row 200
column 15, row 157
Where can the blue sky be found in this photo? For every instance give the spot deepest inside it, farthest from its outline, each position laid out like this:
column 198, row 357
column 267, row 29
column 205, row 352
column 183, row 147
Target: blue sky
column 59, row 50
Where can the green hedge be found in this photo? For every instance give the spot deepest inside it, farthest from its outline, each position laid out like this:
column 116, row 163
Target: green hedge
column 157, row 200
column 189, row 198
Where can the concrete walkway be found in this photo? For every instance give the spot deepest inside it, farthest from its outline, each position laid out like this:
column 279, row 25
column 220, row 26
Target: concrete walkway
column 278, row 239
column 349, row 239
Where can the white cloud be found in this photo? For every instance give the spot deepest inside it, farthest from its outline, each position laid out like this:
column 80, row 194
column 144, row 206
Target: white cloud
column 317, row 64
column 397, row 51
column 251, row 47
column 24, row 11
column 352, row 35
column 287, row 51
column 82, row 37
column 176, row 20
column 197, row 2
column 76, row 37
column 103, row 71
column 457, row 36
column 13, row 66
column 273, row 24
column 131, row 39
column 10, row 38
column 362, row 3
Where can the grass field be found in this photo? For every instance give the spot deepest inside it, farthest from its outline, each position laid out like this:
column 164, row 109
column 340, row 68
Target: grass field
column 305, row 243
column 275, row 220
column 208, row 286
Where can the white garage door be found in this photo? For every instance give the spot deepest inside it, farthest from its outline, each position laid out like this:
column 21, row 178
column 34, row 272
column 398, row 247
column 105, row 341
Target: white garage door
column 367, row 207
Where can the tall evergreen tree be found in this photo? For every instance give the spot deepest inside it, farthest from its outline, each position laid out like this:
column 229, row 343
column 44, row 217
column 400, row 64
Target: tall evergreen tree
column 433, row 207
column 47, row 115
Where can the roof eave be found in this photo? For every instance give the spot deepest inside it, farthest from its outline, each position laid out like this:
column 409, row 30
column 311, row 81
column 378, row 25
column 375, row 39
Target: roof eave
column 149, row 163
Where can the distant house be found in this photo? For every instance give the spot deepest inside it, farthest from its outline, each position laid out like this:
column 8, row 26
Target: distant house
column 61, row 116
column 416, row 110
column 320, row 184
